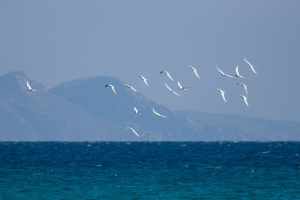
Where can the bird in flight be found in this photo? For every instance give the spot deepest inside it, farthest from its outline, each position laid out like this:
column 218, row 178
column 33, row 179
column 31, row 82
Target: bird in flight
column 167, row 73
column 245, row 87
column 171, row 90
column 30, row 88
column 251, row 66
column 112, row 87
column 133, row 131
column 237, row 74
column 222, row 94
column 182, row 87
column 157, row 114
column 245, row 99
column 136, row 111
column 130, row 87
column 145, row 80
column 223, row 74
column 194, row 70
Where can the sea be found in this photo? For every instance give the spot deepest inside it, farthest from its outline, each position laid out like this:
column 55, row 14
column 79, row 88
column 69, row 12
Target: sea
column 149, row 170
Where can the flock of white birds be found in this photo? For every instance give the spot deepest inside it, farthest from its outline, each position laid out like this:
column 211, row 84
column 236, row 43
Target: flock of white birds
column 136, row 111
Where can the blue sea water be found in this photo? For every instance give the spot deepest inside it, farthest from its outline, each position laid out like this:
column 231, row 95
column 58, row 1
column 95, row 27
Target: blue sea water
column 145, row 170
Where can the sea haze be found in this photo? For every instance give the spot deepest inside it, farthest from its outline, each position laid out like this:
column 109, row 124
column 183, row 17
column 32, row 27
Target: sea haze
column 144, row 170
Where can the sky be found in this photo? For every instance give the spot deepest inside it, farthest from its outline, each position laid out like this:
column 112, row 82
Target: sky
column 61, row 40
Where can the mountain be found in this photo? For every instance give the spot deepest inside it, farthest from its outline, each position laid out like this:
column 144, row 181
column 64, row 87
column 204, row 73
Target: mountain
column 91, row 95
column 86, row 110
column 241, row 128
column 36, row 116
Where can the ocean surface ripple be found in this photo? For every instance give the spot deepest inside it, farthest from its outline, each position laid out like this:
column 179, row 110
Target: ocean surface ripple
column 150, row 170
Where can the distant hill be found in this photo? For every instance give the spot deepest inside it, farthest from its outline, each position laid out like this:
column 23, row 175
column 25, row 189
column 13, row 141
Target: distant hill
column 91, row 95
column 85, row 110
column 36, row 116
column 241, row 128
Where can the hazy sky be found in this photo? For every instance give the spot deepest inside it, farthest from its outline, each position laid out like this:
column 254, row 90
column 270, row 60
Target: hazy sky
column 58, row 41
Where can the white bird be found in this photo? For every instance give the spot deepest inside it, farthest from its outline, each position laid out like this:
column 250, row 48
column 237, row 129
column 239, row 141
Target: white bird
column 157, row 114
column 167, row 73
column 182, row 87
column 130, row 87
column 136, row 111
column 251, row 66
column 30, row 88
column 171, row 90
column 237, row 74
column 245, row 99
column 222, row 94
column 195, row 71
column 133, row 131
column 223, row 74
column 245, row 87
column 112, row 87
column 145, row 80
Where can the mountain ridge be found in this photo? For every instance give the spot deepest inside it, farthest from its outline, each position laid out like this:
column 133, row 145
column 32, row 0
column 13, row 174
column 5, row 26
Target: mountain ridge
column 86, row 110
column 40, row 115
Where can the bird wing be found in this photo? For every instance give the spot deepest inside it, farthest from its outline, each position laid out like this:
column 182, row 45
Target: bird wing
column 113, row 89
column 137, row 111
column 145, row 80
column 154, row 112
column 253, row 69
column 129, row 86
column 168, row 74
column 171, row 90
column 168, row 88
column 223, row 95
column 135, row 132
column 251, row 66
column 175, row 93
column 228, row 75
column 246, row 101
column 133, row 88
column 245, row 87
column 28, row 86
column 159, row 115
column 179, row 85
column 220, row 71
column 195, row 71
column 247, row 61
column 224, row 73
column 237, row 70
